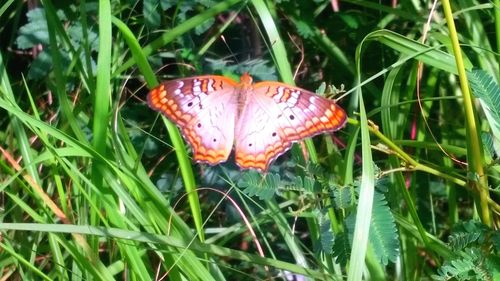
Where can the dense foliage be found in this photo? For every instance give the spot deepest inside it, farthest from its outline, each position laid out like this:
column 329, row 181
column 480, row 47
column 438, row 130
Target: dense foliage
column 96, row 185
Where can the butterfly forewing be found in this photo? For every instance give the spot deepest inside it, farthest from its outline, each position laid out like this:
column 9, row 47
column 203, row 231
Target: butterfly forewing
column 276, row 115
column 263, row 120
column 204, row 108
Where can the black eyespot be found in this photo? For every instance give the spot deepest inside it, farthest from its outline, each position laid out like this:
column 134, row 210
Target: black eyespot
column 249, row 144
column 292, row 117
column 190, row 104
column 214, row 140
column 274, row 134
column 199, row 125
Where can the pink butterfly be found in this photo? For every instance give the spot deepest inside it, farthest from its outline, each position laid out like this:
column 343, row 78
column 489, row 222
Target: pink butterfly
column 261, row 120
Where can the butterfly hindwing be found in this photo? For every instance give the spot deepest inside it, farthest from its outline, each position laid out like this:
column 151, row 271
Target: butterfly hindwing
column 275, row 116
column 262, row 120
column 204, row 108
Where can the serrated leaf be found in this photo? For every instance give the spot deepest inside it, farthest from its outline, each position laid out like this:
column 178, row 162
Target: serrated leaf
column 41, row 66
column 298, row 182
column 326, row 235
column 309, row 184
column 461, row 240
column 461, row 269
column 315, row 169
column 35, row 31
column 343, row 197
column 255, row 184
column 486, row 89
column 303, row 29
column 341, row 248
column 468, row 233
column 383, row 233
column 490, row 150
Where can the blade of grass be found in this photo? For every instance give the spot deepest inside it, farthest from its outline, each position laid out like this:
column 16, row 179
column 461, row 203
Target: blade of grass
column 103, row 89
column 149, row 238
column 20, row 258
column 60, row 80
column 20, row 133
column 428, row 55
column 5, row 6
column 151, row 214
column 365, row 203
column 179, row 147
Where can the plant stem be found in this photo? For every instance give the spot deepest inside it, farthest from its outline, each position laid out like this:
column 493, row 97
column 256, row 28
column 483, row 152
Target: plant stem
column 474, row 145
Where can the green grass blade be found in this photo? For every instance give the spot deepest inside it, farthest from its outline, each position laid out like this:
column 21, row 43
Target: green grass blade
column 365, row 202
column 367, row 190
column 428, row 55
column 103, row 89
column 175, row 136
column 141, row 237
column 53, row 24
column 19, row 258
column 7, row 96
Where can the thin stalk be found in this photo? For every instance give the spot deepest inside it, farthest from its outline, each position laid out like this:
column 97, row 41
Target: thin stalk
column 414, row 165
column 474, row 146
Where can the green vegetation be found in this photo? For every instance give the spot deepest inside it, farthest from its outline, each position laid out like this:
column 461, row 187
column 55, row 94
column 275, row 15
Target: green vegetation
column 97, row 186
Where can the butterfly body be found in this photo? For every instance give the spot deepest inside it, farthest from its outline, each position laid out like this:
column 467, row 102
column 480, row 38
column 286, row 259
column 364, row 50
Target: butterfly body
column 260, row 120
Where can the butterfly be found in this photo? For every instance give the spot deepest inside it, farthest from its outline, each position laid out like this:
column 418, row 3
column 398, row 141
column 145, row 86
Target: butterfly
column 260, row 120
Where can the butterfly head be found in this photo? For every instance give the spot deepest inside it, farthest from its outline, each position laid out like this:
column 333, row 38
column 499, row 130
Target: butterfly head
column 246, row 80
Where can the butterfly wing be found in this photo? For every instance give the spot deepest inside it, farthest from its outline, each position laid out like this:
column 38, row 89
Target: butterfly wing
column 276, row 115
column 204, row 108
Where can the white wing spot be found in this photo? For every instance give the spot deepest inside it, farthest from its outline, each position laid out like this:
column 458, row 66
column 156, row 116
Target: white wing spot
column 312, row 107
column 279, row 94
column 282, row 106
column 312, row 99
column 210, row 85
column 196, row 85
column 292, row 100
